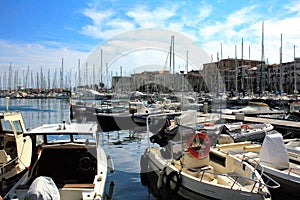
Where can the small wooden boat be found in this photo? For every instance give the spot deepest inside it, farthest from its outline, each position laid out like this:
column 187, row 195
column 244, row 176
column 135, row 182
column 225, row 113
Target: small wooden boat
column 15, row 149
column 67, row 163
column 274, row 161
column 187, row 166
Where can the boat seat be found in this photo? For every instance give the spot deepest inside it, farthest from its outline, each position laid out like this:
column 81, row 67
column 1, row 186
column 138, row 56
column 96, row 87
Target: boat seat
column 207, row 173
column 4, row 158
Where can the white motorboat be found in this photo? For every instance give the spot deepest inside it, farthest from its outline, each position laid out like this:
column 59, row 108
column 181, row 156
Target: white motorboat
column 240, row 131
column 293, row 148
column 15, row 149
column 187, row 166
column 253, row 109
column 190, row 103
column 274, row 161
column 67, row 163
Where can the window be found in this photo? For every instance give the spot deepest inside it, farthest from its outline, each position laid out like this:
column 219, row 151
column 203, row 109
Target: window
column 18, row 126
column 6, row 125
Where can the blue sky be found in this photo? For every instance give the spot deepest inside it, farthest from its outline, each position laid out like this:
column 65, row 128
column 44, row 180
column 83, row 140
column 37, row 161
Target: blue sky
column 39, row 33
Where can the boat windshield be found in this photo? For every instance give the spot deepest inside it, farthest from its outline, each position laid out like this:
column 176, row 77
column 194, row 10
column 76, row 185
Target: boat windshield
column 67, row 138
column 18, row 126
column 6, row 126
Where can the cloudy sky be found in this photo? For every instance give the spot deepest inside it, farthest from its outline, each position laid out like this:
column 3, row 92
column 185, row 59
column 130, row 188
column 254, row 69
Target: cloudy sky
column 39, row 33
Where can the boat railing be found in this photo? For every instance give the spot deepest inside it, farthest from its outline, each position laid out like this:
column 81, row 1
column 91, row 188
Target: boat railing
column 8, row 166
column 267, row 179
column 293, row 170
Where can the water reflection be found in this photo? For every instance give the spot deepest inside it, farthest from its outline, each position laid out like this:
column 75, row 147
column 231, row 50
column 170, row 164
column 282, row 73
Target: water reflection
column 39, row 111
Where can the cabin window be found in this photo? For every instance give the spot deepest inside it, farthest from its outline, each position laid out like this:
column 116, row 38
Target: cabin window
column 217, row 158
column 6, row 126
column 58, row 138
column 18, row 126
column 84, row 138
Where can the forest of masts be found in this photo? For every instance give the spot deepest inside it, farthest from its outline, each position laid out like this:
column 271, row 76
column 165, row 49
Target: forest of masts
column 14, row 79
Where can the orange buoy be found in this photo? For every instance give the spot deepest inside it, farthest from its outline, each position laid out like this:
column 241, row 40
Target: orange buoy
column 245, row 126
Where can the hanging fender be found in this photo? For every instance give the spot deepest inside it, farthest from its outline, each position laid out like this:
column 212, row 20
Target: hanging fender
column 160, row 178
column 177, row 181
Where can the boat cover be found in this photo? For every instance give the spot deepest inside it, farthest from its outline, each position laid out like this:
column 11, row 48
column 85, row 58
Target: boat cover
column 273, row 152
column 188, row 117
column 42, row 188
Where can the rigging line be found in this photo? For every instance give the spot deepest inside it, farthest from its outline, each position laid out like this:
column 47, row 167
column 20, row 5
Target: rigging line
column 165, row 65
column 21, row 155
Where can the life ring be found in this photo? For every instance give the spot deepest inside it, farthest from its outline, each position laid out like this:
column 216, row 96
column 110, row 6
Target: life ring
column 199, row 145
column 177, row 181
column 245, row 126
column 208, row 124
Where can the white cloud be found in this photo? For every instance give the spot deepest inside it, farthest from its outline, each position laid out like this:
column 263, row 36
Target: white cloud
column 156, row 18
column 247, row 24
column 229, row 29
column 37, row 55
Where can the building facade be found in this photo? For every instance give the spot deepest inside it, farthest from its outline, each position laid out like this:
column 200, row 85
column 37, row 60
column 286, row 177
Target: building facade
column 251, row 76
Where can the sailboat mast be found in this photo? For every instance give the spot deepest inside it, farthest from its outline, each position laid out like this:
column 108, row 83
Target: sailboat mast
column 187, row 61
column 49, row 84
column 281, row 71
column 10, row 77
column 62, row 74
column 173, row 53
column 262, row 60
column 221, row 51
column 242, row 79
column 236, row 71
column 86, row 74
column 79, row 73
column 94, row 81
column 101, row 66
column 295, row 83
column 242, row 52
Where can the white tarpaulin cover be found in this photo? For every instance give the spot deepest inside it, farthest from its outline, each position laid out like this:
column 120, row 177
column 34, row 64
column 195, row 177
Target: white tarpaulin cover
column 42, row 188
column 188, row 117
column 273, row 152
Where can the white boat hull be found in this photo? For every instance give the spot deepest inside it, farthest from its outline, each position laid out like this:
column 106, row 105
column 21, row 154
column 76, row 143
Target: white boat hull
column 192, row 188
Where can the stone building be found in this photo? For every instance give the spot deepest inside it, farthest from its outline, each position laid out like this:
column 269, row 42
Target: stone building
column 249, row 76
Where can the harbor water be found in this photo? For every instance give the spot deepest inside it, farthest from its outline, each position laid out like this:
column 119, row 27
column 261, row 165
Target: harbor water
column 124, row 147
